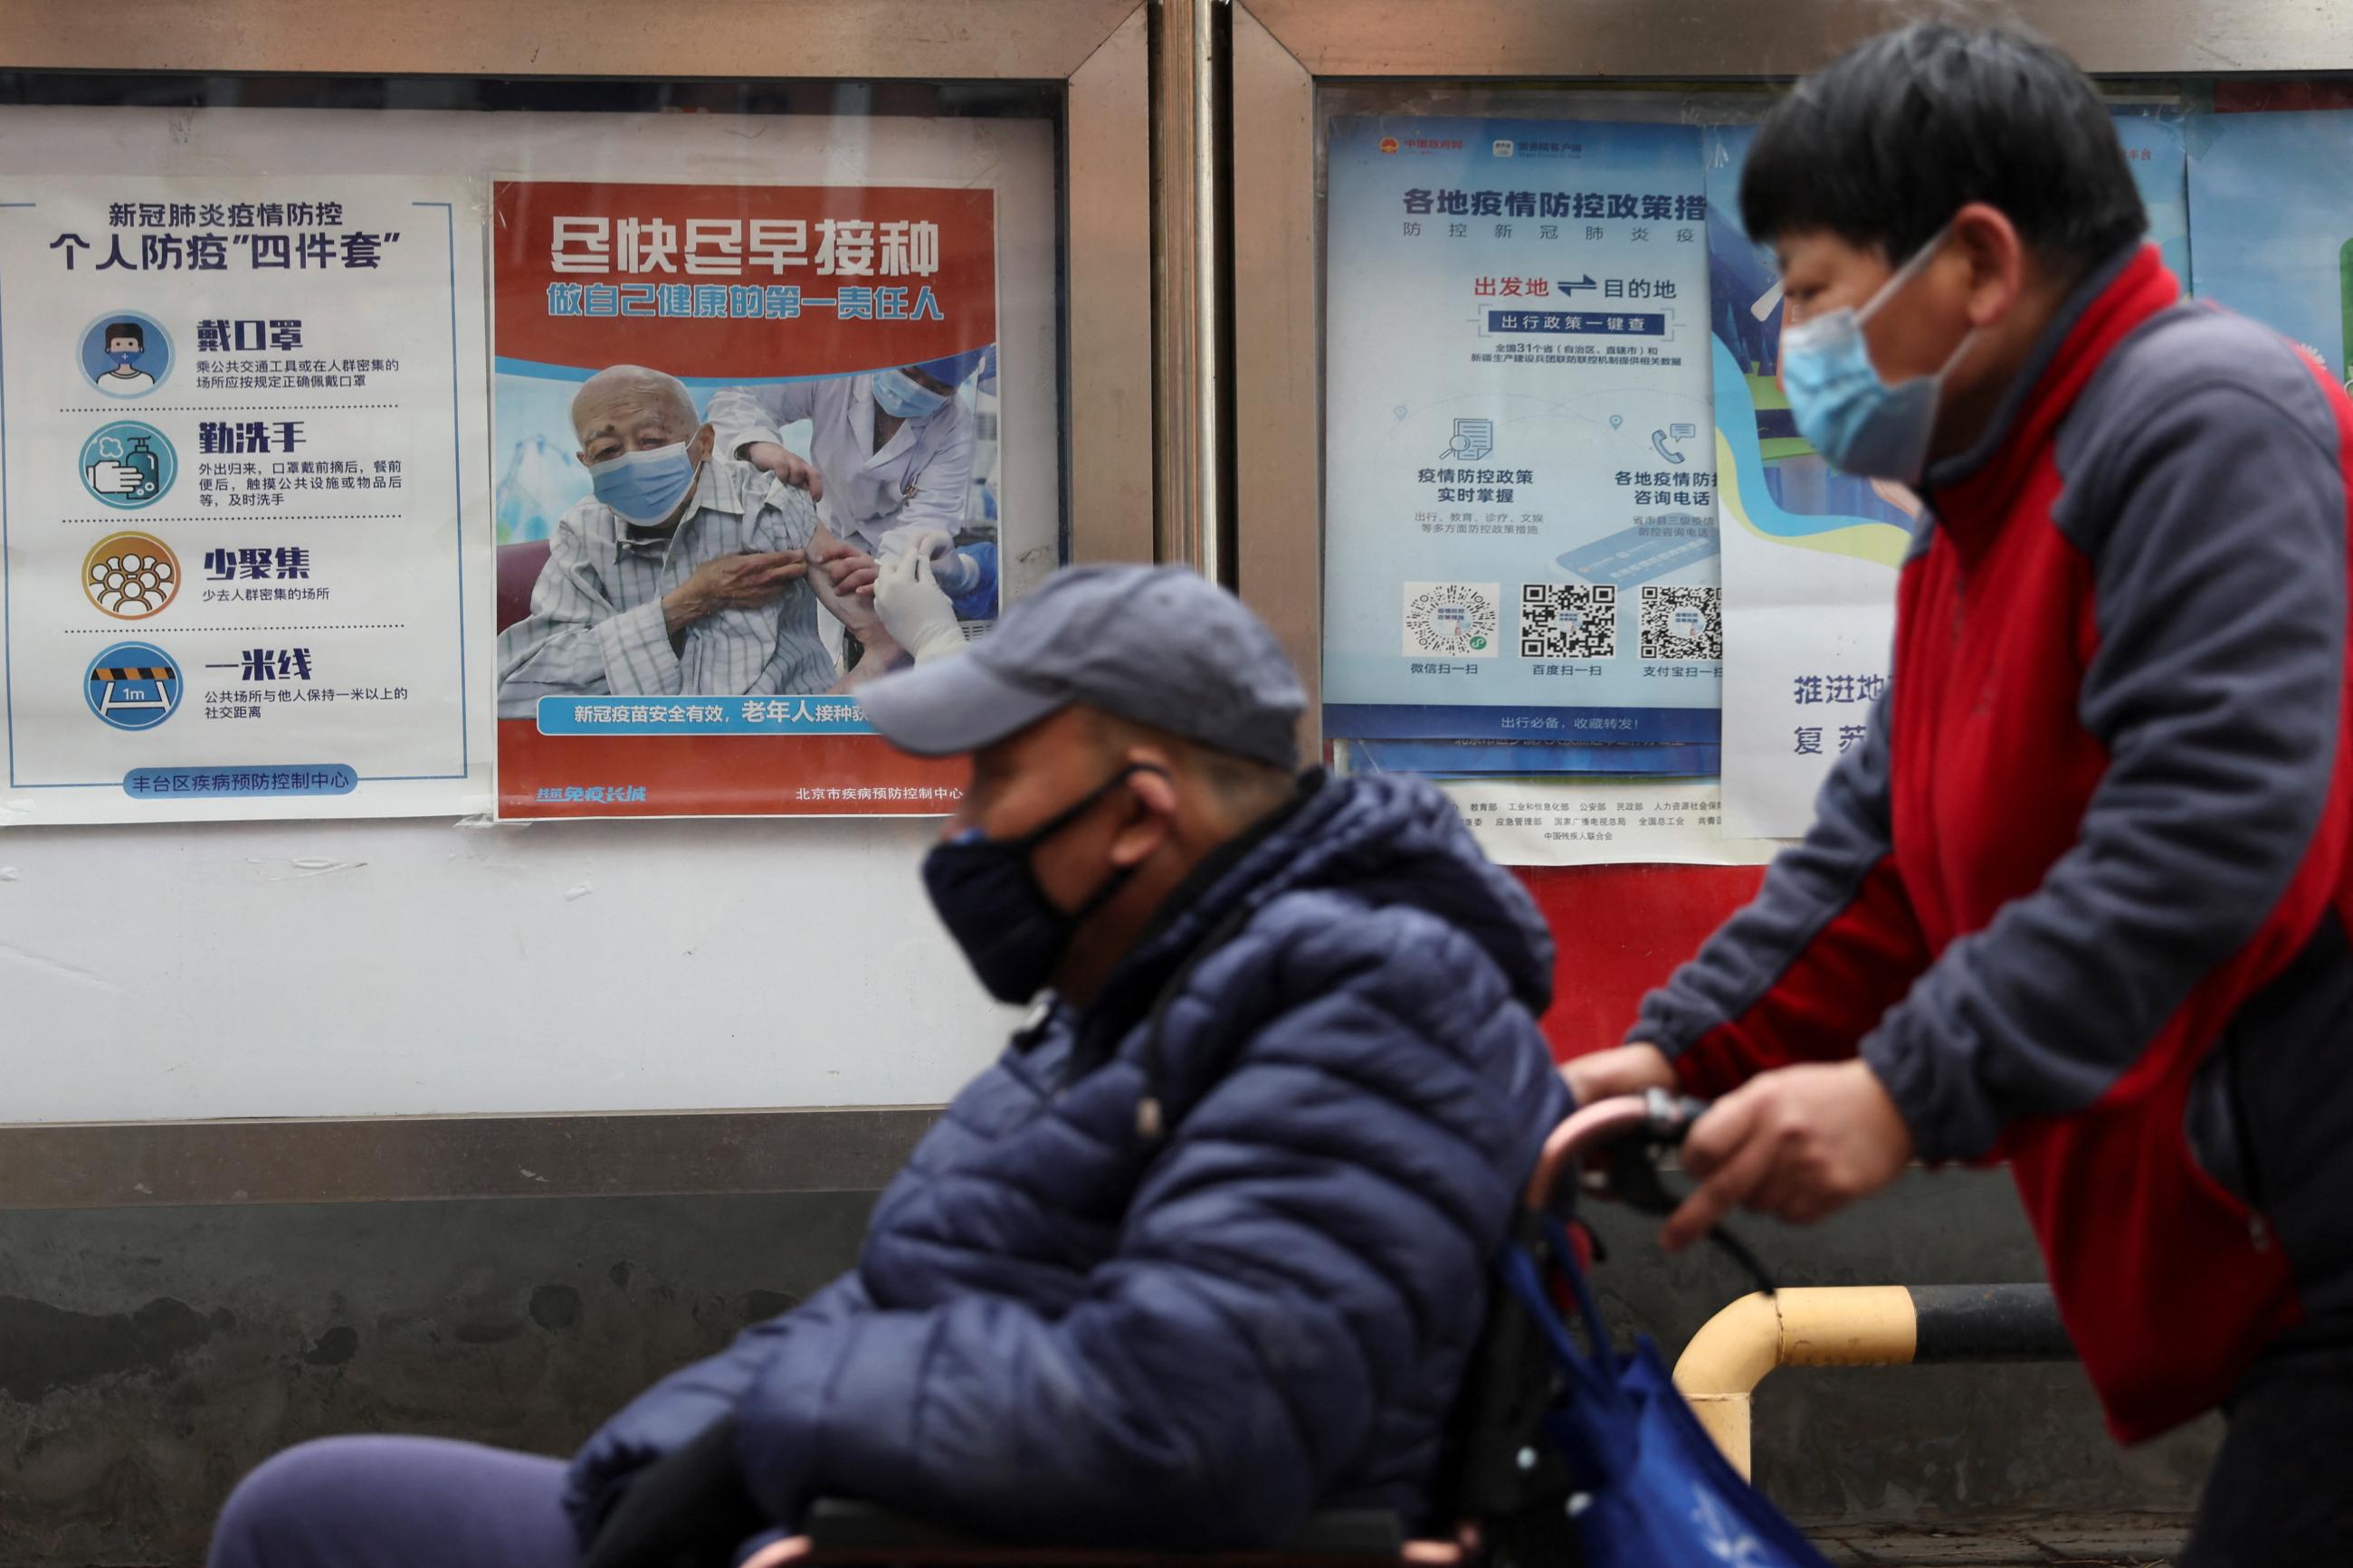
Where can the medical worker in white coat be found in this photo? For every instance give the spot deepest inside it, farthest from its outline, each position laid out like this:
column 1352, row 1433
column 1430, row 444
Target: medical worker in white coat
column 890, row 453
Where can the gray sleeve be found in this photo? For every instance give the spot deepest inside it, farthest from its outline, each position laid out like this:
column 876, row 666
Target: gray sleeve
column 1809, row 965
column 2216, row 527
column 798, row 664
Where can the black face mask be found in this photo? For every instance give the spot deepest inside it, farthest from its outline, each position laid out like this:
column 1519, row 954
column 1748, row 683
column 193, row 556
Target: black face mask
column 988, row 896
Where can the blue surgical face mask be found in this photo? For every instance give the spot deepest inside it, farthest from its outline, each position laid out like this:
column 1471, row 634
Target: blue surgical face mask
column 1852, row 416
column 902, row 397
column 644, row 487
column 122, row 356
column 987, row 893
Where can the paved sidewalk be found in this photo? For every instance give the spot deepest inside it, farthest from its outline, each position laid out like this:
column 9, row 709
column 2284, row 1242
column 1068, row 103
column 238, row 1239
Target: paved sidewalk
column 2047, row 1541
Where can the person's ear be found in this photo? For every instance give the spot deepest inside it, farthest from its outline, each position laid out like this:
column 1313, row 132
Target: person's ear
column 585, row 460
column 699, row 449
column 1151, row 817
column 1988, row 245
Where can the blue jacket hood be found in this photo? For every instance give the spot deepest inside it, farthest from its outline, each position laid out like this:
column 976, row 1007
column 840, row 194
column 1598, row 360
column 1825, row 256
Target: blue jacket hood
column 1387, row 840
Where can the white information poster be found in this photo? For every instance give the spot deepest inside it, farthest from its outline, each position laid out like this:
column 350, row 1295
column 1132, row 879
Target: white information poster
column 1520, row 536
column 1810, row 555
column 242, row 497
column 1560, row 821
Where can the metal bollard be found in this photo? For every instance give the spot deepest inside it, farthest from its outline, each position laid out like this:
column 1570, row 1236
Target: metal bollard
column 1859, row 1325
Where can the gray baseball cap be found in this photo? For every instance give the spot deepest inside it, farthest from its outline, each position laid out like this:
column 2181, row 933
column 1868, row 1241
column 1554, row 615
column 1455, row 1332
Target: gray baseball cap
column 1152, row 644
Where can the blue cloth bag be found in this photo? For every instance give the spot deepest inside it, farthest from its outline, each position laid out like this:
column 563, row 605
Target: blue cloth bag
column 1653, row 1491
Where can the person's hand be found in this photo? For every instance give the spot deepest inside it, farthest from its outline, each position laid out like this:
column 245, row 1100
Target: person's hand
column 1798, row 1142
column 658, row 1423
column 916, row 610
column 850, row 569
column 108, row 478
column 854, row 610
column 687, row 1509
column 1622, row 1070
column 796, row 471
column 739, row 581
column 939, row 547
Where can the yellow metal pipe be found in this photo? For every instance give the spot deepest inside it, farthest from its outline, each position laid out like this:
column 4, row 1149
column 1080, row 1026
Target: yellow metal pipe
column 1861, row 1325
column 1725, row 1360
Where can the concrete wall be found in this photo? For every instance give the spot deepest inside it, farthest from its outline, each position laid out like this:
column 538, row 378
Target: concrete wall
column 150, row 1357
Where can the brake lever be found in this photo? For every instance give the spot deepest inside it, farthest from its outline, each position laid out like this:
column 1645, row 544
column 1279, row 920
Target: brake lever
column 1633, row 1177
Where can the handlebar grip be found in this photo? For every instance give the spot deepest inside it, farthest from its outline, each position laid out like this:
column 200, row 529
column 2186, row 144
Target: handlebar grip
column 1671, row 1115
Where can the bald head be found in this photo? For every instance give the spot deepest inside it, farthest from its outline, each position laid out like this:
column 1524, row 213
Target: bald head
column 635, row 399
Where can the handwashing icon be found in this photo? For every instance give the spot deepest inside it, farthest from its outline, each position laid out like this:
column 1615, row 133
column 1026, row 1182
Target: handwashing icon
column 128, row 465
column 131, row 475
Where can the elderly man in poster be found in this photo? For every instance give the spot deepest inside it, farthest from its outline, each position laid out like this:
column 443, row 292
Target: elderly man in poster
column 686, row 572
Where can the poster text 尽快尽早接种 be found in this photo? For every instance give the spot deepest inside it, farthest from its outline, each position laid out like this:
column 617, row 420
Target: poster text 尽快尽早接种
column 721, row 411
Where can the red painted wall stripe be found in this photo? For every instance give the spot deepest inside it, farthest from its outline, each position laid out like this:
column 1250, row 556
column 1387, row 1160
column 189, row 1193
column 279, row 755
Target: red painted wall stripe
column 1619, row 931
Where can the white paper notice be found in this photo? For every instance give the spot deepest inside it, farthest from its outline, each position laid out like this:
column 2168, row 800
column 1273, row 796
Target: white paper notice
column 1808, row 631
column 242, row 497
column 1592, row 821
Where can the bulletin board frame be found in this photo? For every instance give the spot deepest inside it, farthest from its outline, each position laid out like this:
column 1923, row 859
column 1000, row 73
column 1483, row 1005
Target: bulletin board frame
column 1283, row 52
column 1099, row 55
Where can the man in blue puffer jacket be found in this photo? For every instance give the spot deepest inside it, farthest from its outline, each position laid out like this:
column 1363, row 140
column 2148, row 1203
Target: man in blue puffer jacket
column 1205, row 1250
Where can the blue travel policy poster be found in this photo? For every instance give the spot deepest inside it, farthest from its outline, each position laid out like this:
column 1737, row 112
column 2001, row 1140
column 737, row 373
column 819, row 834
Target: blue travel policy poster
column 1520, row 532
column 2271, row 216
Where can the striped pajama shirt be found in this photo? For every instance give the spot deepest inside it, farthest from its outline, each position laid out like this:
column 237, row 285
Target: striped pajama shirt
column 597, row 623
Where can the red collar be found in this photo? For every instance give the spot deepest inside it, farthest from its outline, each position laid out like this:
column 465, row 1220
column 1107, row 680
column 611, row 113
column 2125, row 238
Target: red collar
column 1972, row 493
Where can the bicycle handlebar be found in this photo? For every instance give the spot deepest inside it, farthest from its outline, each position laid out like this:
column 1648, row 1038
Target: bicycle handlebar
column 1656, row 1117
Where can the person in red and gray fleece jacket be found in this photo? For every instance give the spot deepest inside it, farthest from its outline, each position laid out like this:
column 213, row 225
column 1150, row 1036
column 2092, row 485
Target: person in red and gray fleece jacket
column 2080, row 902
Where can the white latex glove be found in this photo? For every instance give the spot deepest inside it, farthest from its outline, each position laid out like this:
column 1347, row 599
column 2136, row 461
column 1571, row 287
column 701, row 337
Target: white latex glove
column 914, row 609
column 953, row 572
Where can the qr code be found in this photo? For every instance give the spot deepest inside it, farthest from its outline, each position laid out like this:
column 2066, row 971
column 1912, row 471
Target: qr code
column 1453, row 618
column 1568, row 620
column 1683, row 623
